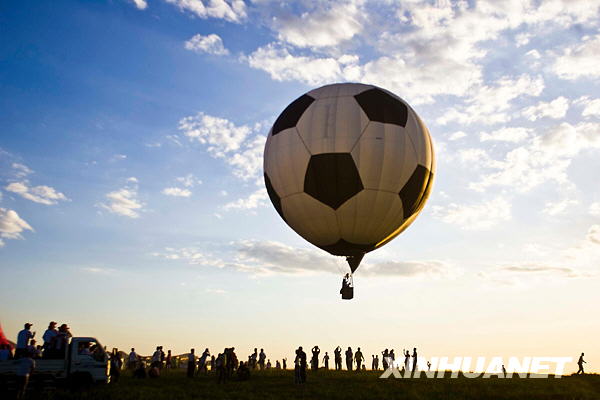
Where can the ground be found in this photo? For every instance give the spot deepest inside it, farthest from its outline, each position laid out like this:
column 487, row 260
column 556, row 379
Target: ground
column 333, row 385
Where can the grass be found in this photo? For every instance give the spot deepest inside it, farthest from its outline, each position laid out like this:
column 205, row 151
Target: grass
column 332, row 385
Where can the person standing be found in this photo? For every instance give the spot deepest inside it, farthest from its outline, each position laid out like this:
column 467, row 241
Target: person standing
column 23, row 338
column 385, row 357
column 414, row 356
column 302, row 356
column 132, row 359
column 315, row 358
column 359, row 358
column 338, row 358
column 156, row 358
column 375, row 362
column 580, row 362
column 115, row 366
column 284, row 363
column 25, row 368
column 191, row 366
column 406, row 359
column 168, row 360
column 49, row 335
column 261, row 359
column 349, row 357
column 253, row 358
column 202, row 361
column 326, row 361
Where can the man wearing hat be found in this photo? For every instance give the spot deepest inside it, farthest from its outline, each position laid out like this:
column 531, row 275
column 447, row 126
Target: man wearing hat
column 50, row 334
column 23, row 339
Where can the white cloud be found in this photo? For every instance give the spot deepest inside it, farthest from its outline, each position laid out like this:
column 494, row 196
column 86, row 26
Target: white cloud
column 211, row 44
column 490, row 104
column 278, row 62
column 544, row 157
column 555, row 109
column 189, row 180
column 510, row 134
column 259, row 198
column 216, row 291
column 579, row 60
column 239, row 146
column 559, row 207
column 11, row 225
column 271, row 258
column 591, row 107
column 21, row 170
column 530, row 273
column 176, row 192
column 124, row 201
column 593, row 234
column 39, row 194
column 328, row 25
column 229, row 10
column 480, row 216
column 140, row 4
column 595, row 209
column 457, row 135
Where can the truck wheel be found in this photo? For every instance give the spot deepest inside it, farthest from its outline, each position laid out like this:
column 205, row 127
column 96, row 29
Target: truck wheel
column 81, row 381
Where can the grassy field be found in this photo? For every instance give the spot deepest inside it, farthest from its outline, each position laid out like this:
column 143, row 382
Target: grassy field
column 333, row 385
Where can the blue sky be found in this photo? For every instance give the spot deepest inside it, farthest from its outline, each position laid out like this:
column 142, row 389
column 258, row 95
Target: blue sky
column 131, row 138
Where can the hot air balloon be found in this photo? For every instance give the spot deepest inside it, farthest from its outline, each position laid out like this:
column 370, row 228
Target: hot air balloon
column 349, row 167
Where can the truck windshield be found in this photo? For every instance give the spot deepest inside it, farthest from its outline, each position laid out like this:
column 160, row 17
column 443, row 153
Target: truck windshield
column 91, row 349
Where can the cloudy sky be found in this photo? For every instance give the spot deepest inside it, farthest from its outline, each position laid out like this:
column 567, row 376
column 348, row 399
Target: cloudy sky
column 132, row 204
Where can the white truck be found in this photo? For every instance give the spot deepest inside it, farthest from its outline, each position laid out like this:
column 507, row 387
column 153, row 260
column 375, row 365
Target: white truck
column 85, row 362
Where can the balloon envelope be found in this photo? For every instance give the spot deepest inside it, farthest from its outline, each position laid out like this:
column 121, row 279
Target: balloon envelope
column 349, row 167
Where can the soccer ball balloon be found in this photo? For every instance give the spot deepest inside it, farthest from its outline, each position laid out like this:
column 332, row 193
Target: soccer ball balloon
column 348, row 167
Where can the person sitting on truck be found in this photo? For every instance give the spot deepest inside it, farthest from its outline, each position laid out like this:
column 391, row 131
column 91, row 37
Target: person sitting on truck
column 25, row 367
column 33, row 350
column 84, row 349
column 50, row 333
column 23, row 338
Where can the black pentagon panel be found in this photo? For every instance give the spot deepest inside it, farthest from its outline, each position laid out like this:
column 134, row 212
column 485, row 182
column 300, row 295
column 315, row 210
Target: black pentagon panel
column 413, row 191
column 274, row 196
column 344, row 248
column 292, row 113
column 332, row 178
column 383, row 107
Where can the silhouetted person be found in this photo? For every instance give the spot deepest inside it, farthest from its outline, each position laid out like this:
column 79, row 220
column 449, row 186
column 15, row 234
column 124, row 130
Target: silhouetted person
column 221, row 371
column 326, row 360
column 314, row 362
column 392, row 357
column 140, row 371
column 503, row 370
column 414, row 356
column 243, row 372
column 302, row 356
column 385, row 356
column 202, row 362
column 261, row 359
column 349, row 356
column 359, row 358
column 406, row 359
column 115, row 366
column 375, row 362
column 253, row 359
column 580, row 362
column 132, row 359
column 61, row 341
column 428, row 366
column 50, row 334
column 168, row 360
column 338, row 358
column 213, row 363
column 284, row 363
column 23, row 338
column 191, row 365
column 277, row 364
column 25, row 368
